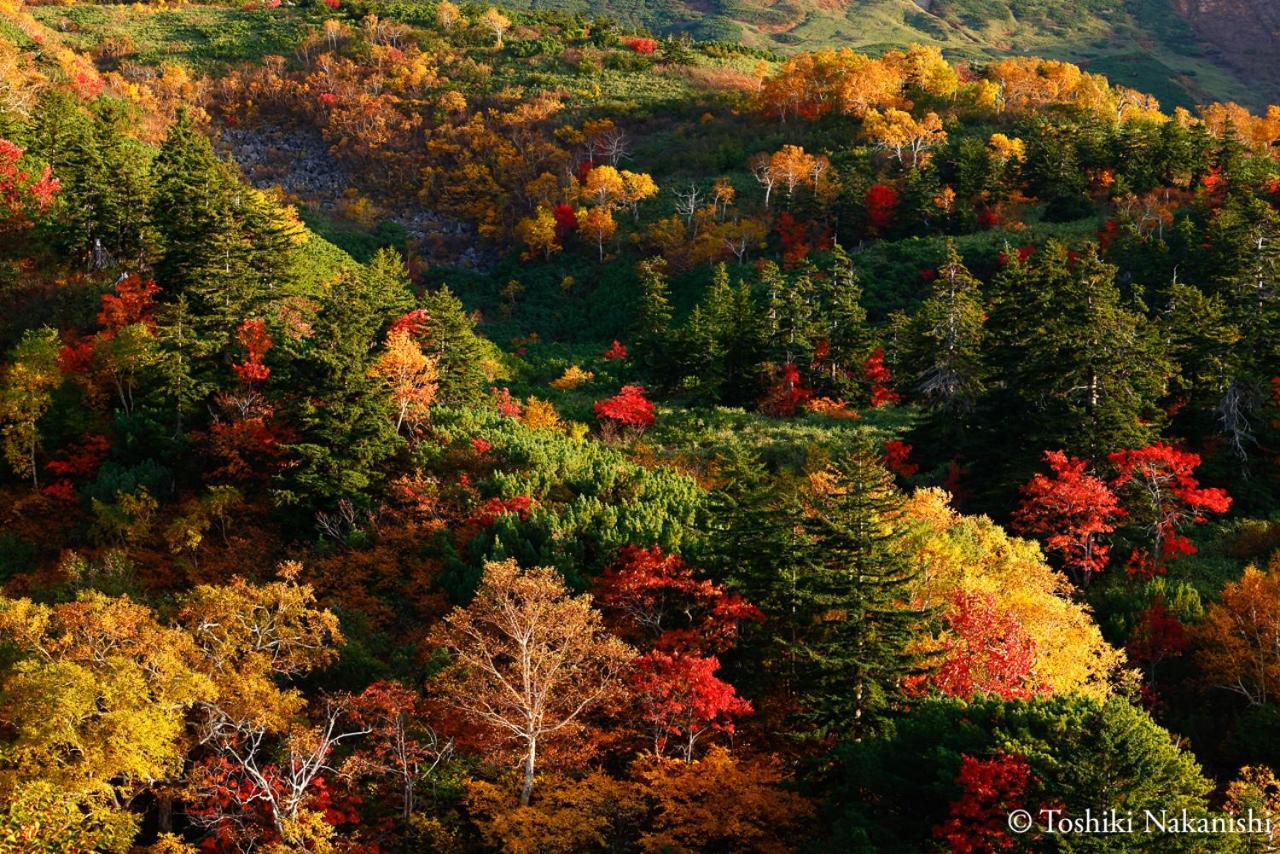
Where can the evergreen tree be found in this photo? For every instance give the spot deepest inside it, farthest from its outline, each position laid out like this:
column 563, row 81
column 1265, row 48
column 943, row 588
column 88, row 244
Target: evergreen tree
column 944, row 347
column 346, row 431
column 792, row 314
column 223, row 244
column 652, row 347
column 104, row 180
column 756, row 547
column 847, row 338
column 1077, row 369
column 462, row 354
column 856, row 626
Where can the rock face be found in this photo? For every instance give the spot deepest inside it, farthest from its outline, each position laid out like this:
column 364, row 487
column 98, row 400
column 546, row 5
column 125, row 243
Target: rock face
column 1246, row 32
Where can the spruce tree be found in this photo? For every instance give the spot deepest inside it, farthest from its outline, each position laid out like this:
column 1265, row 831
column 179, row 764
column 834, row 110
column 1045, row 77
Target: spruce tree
column 1075, row 367
column 847, row 337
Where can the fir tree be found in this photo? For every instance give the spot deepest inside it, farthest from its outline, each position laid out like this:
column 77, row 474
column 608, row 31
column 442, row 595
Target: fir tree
column 462, row 354
column 652, row 348
column 856, row 623
column 944, row 348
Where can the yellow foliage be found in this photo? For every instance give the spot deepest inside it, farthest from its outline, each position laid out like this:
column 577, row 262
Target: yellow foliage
column 720, row 803
column 566, row 816
column 541, row 415
column 972, row 554
column 539, row 234
column 1005, row 149
column 572, row 377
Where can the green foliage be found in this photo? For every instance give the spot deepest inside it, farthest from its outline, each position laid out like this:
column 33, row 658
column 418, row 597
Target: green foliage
column 1083, row 755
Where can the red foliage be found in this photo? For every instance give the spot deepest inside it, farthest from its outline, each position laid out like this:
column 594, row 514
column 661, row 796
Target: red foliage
column 1165, row 496
column 507, row 406
column 414, row 324
column 76, row 358
column 1158, row 635
column 642, row 45
column 566, row 220
column 487, row 513
column 654, row 599
column 681, row 698
column 990, row 653
column 1108, row 234
column 878, row 376
column 481, row 445
column 1071, row 510
column 896, row 452
column 882, row 203
column 131, row 302
column 988, row 217
column 629, row 409
column 787, row 393
column 992, row 789
column 229, row 804
column 253, row 336
column 333, row 4
column 76, row 462
column 21, row 194
column 245, row 438
column 617, row 352
column 1213, row 181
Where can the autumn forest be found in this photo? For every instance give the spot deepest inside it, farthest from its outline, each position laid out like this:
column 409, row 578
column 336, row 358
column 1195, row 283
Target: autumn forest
column 434, row 427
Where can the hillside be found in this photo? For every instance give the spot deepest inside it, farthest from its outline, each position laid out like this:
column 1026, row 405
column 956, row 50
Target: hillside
column 458, row 428
column 1183, row 51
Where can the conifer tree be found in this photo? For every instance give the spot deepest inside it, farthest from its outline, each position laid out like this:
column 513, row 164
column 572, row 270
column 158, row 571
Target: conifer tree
column 944, row 349
column 856, row 621
column 847, row 338
column 652, row 349
column 1076, row 368
column 451, row 338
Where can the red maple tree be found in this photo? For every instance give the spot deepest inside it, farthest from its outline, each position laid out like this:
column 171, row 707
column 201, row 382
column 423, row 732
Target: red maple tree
column 1164, row 497
column 882, row 202
column 253, row 337
column 878, row 377
column 992, row 789
column 654, row 599
column 989, row 653
column 627, row 410
column 682, row 699
column 1071, row 511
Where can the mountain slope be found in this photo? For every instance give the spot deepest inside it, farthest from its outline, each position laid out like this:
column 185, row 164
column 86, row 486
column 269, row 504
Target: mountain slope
column 1245, row 32
column 1184, row 51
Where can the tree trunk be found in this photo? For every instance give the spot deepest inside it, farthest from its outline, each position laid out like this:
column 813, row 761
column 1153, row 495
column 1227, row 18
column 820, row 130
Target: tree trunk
column 528, row 773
